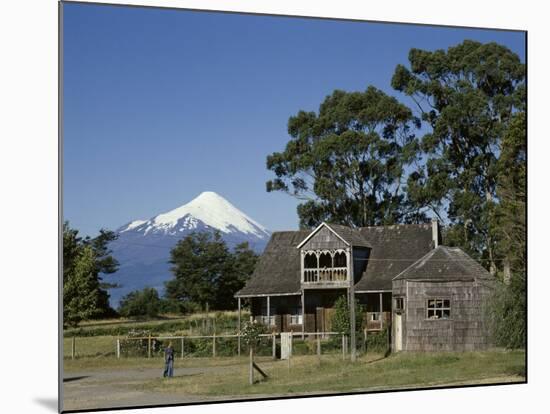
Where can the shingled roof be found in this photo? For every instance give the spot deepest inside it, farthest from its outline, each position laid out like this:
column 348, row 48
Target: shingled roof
column 394, row 248
column 445, row 264
column 278, row 269
column 349, row 235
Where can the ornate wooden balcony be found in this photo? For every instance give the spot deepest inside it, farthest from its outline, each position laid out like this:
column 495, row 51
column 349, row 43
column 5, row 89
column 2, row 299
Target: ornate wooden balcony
column 336, row 275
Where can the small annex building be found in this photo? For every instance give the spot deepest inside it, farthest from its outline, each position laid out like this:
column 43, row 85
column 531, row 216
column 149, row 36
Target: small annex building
column 439, row 303
column 399, row 274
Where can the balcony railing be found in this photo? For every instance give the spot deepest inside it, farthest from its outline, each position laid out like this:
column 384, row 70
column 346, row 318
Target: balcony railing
column 326, row 275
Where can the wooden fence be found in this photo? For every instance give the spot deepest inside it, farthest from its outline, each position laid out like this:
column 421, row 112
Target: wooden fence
column 210, row 345
column 275, row 338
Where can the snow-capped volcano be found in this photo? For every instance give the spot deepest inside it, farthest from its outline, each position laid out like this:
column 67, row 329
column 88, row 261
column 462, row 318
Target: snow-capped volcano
column 143, row 246
column 208, row 209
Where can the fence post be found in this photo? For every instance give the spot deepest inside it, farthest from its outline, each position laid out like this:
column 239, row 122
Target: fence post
column 251, row 368
column 118, row 348
column 291, row 337
column 149, row 347
column 214, row 345
column 388, row 338
column 73, row 348
column 274, row 345
column 182, row 347
column 319, row 348
column 239, row 326
column 364, row 340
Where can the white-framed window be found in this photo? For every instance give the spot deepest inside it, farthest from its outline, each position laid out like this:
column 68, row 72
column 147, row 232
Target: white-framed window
column 267, row 320
column 438, row 308
column 296, row 316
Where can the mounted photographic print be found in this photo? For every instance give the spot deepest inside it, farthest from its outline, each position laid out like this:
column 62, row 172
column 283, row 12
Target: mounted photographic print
column 261, row 206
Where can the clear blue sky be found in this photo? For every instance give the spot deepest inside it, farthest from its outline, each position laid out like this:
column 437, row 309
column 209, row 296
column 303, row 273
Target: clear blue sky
column 160, row 105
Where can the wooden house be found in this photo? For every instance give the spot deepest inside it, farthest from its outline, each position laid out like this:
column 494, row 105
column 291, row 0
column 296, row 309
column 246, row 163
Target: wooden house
column 301, row 274
column 439, row 303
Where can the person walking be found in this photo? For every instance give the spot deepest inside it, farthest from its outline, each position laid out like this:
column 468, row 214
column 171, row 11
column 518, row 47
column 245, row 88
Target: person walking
column 169, row 361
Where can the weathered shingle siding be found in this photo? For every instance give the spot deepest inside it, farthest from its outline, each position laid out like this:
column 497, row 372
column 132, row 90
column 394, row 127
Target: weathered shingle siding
column 466, row 329
column 324, row 239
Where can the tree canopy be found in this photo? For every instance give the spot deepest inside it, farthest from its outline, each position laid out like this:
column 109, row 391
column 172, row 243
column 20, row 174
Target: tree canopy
column 467, row 97
column 206, row 272
column 347, row 162
column 84, row 294
column 145, row 302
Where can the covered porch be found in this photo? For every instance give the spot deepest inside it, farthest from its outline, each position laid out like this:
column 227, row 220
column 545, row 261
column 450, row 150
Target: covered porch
column 312, row 309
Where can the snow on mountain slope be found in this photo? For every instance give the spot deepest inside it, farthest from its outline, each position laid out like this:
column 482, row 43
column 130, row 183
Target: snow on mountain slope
column 209, row 208
column 143, row 246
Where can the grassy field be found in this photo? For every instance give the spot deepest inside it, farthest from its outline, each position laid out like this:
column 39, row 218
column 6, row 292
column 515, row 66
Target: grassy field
column 160, row 320
column 404, row 370
column 193, row 324
column 306, row 375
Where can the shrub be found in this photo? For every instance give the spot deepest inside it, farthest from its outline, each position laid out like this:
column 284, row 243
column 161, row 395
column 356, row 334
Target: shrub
column 139, row 347
column 140, row 303
column 341, row 317
column 377, row 341
column 507, row 314
column 251, row 334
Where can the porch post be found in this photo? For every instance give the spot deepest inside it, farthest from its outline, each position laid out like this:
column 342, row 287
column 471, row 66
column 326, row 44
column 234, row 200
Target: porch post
column 238, row 326
column 352, row 305
column 381, row 315
column 303, row 313
column 268, row 311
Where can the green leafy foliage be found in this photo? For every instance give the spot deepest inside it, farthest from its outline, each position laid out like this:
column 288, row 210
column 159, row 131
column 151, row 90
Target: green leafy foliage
column 467, row 97
column 81, row 288
column 377, row 341
column 508, row 314
column 137, row 344
column 84, row 294
column 341, row 321
column 508, row 309
column 347, row 161
column 251, row 332
column 207, row 273
column 141, row 303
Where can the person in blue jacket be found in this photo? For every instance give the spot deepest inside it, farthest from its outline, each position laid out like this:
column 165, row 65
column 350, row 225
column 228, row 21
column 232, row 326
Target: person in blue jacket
column 169, row 361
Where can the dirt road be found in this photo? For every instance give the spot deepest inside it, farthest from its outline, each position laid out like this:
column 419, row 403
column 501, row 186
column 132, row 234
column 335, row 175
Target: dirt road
column 121, row 388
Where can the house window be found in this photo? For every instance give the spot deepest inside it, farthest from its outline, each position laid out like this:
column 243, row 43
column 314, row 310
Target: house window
column 438, row 308
column 267, row 320
column 296, row 316
column 399, row 304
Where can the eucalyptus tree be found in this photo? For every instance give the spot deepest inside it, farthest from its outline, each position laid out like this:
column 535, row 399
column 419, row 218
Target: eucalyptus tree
column 466, row 96
column 347, row 162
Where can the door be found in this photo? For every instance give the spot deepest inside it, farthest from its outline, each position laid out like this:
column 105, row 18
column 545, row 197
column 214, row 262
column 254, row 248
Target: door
column 398, row 333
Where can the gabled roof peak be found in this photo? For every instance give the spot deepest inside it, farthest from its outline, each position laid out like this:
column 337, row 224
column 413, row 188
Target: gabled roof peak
column 444, row 263
column 348, row 235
